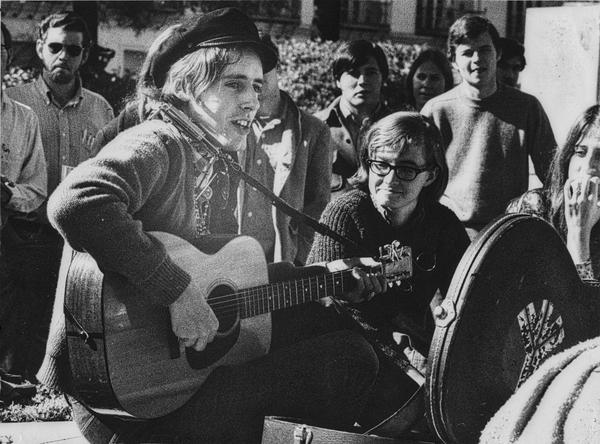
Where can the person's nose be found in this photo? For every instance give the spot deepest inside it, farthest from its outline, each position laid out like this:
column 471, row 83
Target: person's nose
column 250, row 100
column 592, row 164
column 390, row 177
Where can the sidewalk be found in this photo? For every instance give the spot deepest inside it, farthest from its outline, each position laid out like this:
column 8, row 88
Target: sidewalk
column 63, row 432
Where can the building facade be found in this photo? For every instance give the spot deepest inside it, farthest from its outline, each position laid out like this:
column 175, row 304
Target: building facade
column 129, row 32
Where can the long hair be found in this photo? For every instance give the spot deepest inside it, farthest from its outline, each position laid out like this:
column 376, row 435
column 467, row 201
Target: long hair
column 559, row 169
column 187, row 78
column 439, row 60
column 399, row 130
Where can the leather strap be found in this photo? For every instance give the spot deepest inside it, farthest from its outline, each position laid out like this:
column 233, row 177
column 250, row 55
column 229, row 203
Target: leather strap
column 213, row 144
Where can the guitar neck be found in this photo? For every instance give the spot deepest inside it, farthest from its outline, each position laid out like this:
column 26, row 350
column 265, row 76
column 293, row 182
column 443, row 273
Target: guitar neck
column 267, row 298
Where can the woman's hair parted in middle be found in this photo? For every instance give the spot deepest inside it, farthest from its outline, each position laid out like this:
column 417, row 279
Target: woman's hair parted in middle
column 588, row 121
column 398, row 131
column 436, row 57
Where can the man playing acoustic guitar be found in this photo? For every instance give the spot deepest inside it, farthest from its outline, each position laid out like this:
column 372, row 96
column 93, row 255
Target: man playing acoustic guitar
column 153, row 177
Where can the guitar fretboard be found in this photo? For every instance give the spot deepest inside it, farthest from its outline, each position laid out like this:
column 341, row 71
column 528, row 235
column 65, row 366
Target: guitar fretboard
column 255, row 301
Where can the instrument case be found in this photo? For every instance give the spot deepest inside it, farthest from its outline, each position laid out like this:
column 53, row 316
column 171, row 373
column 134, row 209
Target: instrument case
column 279, row 430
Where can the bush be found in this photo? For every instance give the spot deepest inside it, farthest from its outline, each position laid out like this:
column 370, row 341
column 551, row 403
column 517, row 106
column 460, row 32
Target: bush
column 17, row 76
column 46, row 405
column 305, row 73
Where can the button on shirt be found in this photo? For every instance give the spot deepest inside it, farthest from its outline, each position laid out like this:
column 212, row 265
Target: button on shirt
column 23, row 162
column 256, row 210
column 64, row 129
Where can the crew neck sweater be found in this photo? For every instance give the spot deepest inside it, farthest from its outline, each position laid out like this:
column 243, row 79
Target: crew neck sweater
column 488, row 142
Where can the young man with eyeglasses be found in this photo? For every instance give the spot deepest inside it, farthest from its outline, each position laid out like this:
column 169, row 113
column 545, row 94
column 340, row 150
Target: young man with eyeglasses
column 69, row 117
column 402, row 175
column 490, row 129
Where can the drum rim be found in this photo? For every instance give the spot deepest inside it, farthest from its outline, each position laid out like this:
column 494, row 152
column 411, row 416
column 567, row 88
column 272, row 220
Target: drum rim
column 443, row 338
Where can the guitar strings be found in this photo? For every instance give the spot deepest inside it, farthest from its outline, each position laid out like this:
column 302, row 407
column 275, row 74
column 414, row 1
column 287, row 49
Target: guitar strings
column 303, row 281
column 261, row 294
column 232, row 300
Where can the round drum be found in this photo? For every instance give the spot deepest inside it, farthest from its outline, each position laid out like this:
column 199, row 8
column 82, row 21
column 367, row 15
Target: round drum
column 515, row 299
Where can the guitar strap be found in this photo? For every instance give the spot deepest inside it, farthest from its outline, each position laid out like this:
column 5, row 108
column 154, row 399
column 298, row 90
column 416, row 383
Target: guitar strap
column 178, row 119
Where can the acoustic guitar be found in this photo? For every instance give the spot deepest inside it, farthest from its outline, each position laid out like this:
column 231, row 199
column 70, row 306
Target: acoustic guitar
column 124, row 358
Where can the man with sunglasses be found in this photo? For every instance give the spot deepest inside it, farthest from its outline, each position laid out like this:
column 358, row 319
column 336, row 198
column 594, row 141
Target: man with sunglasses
column 69, row 116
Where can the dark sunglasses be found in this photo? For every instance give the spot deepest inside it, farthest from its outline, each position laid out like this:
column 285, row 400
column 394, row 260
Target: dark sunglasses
column 403, row 172
column 72, row 50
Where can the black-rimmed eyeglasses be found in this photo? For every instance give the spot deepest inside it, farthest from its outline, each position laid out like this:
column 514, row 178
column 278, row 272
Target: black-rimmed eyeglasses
column 72, row 50
column 403, row 172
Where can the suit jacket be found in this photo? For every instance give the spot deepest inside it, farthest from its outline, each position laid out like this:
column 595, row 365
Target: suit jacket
column 299, row 151
column 344, row 150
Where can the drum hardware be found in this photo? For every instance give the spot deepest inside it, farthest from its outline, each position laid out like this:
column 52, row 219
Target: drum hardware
column 424, row 258
column 444, row 314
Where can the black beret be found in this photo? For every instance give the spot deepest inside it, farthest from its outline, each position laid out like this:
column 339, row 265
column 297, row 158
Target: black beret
column 222, row 27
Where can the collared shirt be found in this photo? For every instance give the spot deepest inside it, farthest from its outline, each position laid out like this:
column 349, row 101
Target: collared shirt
column 346, row 130
column 255, row 212
column 352, row 121
column 23, row 162
column 64, row 130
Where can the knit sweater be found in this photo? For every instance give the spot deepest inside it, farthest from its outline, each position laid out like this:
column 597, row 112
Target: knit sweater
column 141, row 181
column 435, row 235
column 488, row 142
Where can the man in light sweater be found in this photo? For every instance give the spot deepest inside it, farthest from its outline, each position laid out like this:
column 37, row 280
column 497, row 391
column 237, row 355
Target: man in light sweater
column 490, row 129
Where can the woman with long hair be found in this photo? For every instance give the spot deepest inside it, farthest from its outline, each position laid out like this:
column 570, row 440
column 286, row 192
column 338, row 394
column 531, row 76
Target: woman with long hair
column 570, row 200
column 430, row 75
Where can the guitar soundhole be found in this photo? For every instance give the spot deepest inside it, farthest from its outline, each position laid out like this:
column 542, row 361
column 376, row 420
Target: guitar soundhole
column 223, row 303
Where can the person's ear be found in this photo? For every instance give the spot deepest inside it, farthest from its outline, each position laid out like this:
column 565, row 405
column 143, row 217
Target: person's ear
column 432, row 176
column 39, row 46
column 498, row 55
column 454, row 65
column 337, row 83
column 85, row 55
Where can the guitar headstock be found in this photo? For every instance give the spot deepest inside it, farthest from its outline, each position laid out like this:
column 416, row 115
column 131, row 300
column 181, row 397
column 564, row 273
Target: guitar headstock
column 396, row 262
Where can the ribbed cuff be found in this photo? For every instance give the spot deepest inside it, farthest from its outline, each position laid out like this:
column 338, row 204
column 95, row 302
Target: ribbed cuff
column 166, row 284
column 48, row 373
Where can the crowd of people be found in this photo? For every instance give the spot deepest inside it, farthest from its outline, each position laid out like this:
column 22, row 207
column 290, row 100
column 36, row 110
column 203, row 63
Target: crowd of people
column 432, row 175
